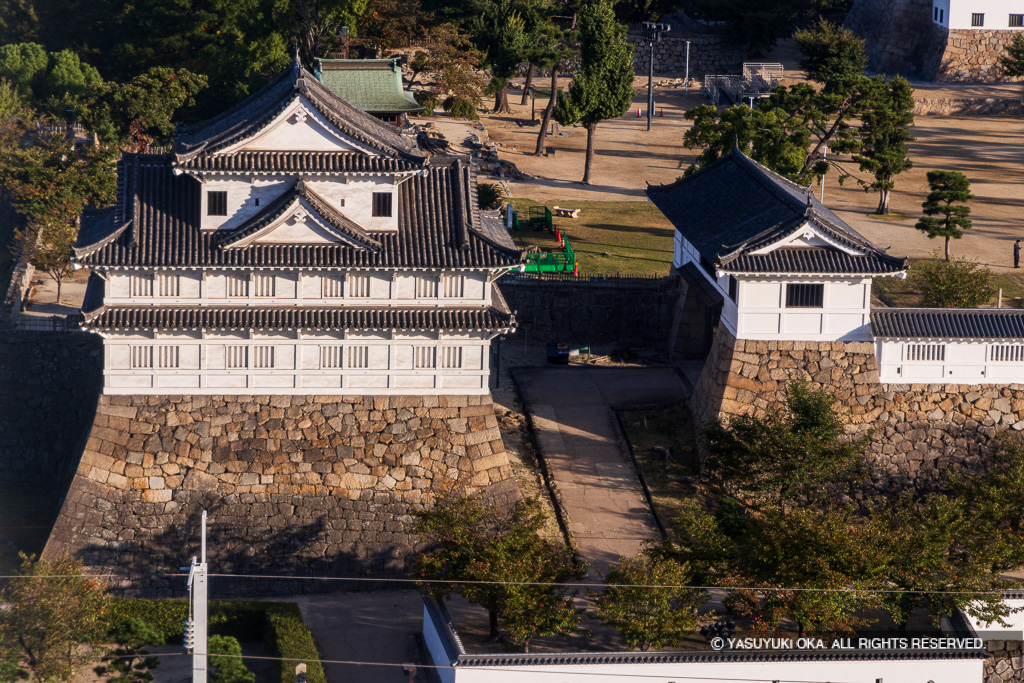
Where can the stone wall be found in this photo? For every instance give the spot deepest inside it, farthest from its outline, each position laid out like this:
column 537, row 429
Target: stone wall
column 970, row 56
column 918, row 431
column 48, row 388
column 1005, row 663
column 634, row 312
column 296, row 485
column 710, row 53
column 973, row 106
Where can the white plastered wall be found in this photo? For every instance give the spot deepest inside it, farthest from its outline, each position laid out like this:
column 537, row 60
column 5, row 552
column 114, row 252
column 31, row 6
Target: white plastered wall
column 957, row 14
column 934, row 361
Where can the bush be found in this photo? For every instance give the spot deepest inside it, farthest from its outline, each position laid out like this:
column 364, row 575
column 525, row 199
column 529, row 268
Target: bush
column 488, row 196
column 228, row 669
column 459, row 108
column 287, row 636
column 429, row 100
column 957, row 283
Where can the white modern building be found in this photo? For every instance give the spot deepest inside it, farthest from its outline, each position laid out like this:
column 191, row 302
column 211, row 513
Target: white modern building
column 295, row 245
column 1005, row 15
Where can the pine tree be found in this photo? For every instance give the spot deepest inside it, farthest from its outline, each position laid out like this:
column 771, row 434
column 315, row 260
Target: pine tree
column 1013, row 61
column 950, row 192
column 604, row 87
column 885, row 132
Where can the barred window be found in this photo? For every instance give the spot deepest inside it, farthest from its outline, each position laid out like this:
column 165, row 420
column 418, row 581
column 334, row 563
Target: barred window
column 334, row 286
column 238, row 356
column 381, row 204
column 451, row 357
column 263, row 356
column 977, row 19
column 926, row 352
column 358, row 356
column 1016, row 20
column 453, row 286
column 142, row 357
column 358, row 286
column 142, row 284
column 216, row 203
column 263, row 284
column 238, row 284
column 168, row 285
column 424, row 357
column 331, row 356
column 167, row 356
column 426, row 287
column 805, row 296
column 1006, row 353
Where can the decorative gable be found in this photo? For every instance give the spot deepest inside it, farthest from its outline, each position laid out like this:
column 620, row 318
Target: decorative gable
column 300, row 128
column 808, row 235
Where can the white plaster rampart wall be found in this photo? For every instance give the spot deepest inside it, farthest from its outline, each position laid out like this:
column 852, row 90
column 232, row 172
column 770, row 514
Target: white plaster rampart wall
column 289, row 362
column 956, row 14
column 302, row 288
column 932, row 361
column 247, row 195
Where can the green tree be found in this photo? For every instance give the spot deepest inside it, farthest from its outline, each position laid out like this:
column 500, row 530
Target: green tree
column 603, row 89
column 128, row 662
column 150, row 101
column 647, row 617
column 793, row 452
column 1012, row 61
column 957, row 283
column 470, row 541
column 228, row 668
column 950, row 192
column 453, row 59
column 885, row 132
column 53, row 616
column 502, row 37
column 12, row 105
column 832, row 54
column 318, row 24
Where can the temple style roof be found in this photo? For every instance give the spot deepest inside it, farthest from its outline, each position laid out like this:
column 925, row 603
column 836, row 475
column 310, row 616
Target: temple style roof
column 306, row 163
column 947, row 323
column 373, row 85
column 253, row 114
column 735, row 206
column 155, row 224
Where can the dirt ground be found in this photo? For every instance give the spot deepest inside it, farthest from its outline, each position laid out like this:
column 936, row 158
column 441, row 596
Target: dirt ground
column 988, row 150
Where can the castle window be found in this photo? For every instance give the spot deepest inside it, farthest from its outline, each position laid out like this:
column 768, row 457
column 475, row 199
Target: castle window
column 453, row 286
column 263, row 284
column 142, row 357
column 935, row 14
column 381, row 204
column 451, row 357
column 334, row 286
column 168, row 285
column 331, row 356
column 216, row 203
column 426, row 287
column 257, row 201
column 926, row 352
column 359, row 286
column 358, row 356
column 238, row 356
column 977, row 20
column 424, row 357
column 263, row 356
column 942, row 16
column 167, row 356
column 805, row 296
column 1006, row 353
column 142, row 284
column 1016, row 20
column 237, row 284
column 734, row 287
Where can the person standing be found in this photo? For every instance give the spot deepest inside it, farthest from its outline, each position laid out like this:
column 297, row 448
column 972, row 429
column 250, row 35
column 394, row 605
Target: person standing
column 1016, row 254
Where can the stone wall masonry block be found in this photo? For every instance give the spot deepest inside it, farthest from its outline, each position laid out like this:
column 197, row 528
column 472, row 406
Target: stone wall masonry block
column 917, row 430
column 288, row 489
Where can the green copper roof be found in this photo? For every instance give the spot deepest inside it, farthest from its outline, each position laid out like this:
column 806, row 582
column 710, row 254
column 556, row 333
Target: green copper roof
column 373, row 85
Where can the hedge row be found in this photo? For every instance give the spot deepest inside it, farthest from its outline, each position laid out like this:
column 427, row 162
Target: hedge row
column 278, row 625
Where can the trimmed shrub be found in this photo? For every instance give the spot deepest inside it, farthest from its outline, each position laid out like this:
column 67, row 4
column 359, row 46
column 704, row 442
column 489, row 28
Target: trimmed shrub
column 287, row 636
column 460, row 108
column 229, row 669
column 488, row 196
column 428, row 100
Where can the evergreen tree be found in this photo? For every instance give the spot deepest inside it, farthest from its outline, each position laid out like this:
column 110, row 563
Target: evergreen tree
column 950, row 192
column 501, row 33
column 1013, row 60
column 885, row 132
column 604, row 87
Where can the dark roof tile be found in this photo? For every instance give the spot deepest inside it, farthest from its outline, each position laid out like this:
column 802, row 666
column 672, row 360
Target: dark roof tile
column 943, row 323
column 290, row 163
column 704, row 290
column 814, row 260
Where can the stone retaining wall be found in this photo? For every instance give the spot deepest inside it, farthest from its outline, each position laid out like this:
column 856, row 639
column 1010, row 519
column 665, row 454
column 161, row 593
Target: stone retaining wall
column 967, row 55
column 297, row 485
column 918, row 430
column 1006, row 661
column 978, row 106
column 710, row 53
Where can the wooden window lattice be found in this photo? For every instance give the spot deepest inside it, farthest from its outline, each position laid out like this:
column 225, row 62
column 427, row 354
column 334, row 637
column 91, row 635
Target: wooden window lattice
column 926, row 352
column 1006, row 353
column 358, row 356
column 451, row 357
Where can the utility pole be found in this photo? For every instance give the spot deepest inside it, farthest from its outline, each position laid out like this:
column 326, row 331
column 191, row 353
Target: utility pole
column 652, row 32
column 195, row 625
column 686, row 87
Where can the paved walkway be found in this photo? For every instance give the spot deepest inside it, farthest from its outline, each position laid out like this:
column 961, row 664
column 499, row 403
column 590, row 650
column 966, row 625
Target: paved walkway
column 608, row 514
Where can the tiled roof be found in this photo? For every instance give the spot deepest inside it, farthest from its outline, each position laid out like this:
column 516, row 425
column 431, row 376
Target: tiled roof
column 704, row 290
column 298, row 162
column 814, row 260
column 252, row 114
column 438, row 227
column 275, row 209
column 947, row 323
column 734, row 206
column 373, row 85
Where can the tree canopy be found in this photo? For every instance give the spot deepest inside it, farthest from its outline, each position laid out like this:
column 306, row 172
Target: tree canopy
column 946, row 213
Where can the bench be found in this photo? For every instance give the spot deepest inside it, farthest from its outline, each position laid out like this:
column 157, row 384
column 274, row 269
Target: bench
column 566, row 213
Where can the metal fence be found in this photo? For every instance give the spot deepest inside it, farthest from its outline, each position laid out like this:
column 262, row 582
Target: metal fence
column 50, row 323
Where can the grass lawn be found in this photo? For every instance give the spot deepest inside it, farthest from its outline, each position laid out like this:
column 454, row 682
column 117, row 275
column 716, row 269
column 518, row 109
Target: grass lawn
column 629, row 238
column 905, row 293
column 650, row 432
